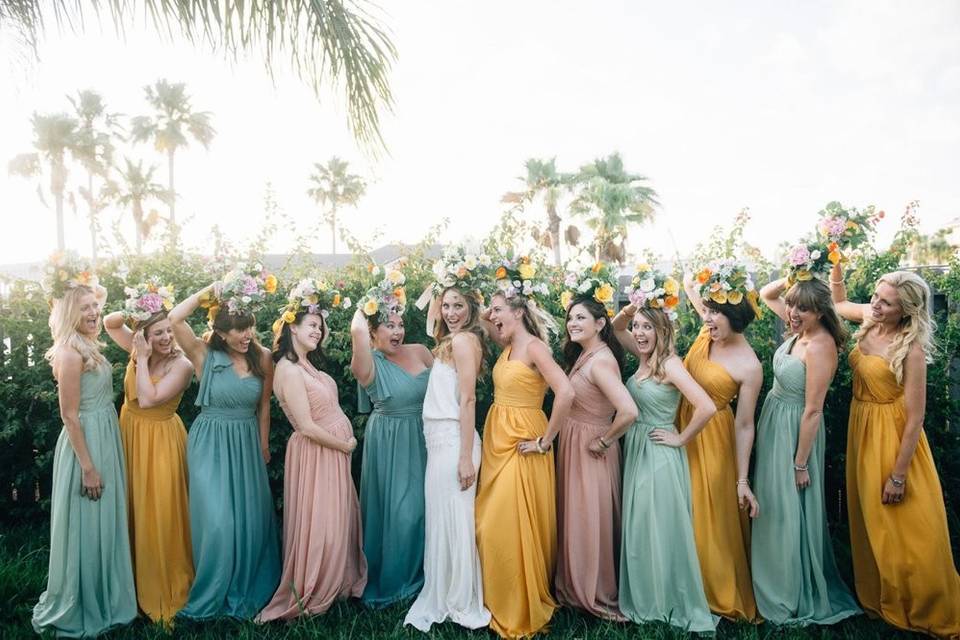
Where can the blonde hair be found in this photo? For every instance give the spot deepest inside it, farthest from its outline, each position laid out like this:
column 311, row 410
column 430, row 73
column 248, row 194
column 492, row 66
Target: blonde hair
column 535, row 320
column 916, row 325
column 666, row 340
column 442, row 334
column 65, row 317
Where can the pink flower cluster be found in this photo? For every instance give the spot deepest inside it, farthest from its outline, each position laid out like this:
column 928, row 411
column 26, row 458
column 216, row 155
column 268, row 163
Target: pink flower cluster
column 799, row 255
column 249, row 286
column 151, row 302
column 833, row 227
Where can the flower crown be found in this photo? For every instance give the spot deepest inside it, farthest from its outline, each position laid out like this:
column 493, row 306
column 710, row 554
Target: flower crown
column 518, row 277
column 146, row 299
column 599, row 282
column 463, row 270
column 653, row 289
column 243, row 290
column 728, row 281
column 808, row 259
column 847, row 229
column 387, row 297
column 310, row 295
column 65, row 271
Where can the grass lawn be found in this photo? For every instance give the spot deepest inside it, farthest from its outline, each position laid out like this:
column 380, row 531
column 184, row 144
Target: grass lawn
column 23, row 565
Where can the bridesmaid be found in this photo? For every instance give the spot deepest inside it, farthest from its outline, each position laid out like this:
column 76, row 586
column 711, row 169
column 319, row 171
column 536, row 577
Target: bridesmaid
column 236, row 551
column 516, row 518
column 322, row 548
column 723, row 363
column 588, row 465
column 90, row 584
column 795, row 576
column 659, row 573
column 902, row 561
column 452, row 587
column 155, row 448
column 393, row 379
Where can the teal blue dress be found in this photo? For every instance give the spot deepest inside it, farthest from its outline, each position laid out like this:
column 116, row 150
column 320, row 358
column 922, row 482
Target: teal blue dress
column 391, row 482
column 236, row 547
column 795, row 577
column 90, row 584
column 659, row 572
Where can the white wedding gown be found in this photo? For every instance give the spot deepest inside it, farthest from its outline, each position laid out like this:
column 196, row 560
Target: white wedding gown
column 452, row 586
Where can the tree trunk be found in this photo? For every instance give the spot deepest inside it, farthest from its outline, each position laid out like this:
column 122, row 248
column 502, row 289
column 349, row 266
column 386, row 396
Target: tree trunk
column 58, row 180
column 138, row 223
column 333, row 228
column 554, row 233
column 93, row 218
column 173, row 193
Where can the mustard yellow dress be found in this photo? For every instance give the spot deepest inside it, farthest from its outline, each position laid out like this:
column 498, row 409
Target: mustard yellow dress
column 516, row 505
column 902, row 562
column 721, row 529
column 155, row 448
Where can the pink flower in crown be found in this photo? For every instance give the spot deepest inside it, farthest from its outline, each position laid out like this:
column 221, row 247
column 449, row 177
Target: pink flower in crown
column 799, row 255
column 833, row 227
column 150, row 302
column 249, row 285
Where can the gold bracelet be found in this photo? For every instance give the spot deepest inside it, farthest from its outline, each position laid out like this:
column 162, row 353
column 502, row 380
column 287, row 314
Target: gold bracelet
column 832, row 281
column 743, row 481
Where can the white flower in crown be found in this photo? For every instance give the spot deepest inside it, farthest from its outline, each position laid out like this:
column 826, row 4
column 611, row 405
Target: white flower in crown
column 484, row 260
column 647, row 285
column 585, row 286
column 470, row 262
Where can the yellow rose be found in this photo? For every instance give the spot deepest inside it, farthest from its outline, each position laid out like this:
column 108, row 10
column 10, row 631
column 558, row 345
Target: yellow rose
column 270, row 284
column 395, row 277
column 313, row 299
column 671, row 287
column 720, row 297
column 734, row 297
column 527, row 271
column 370, row 307
column 804, row 275
column 604, row 293
column 288, row 316
column 565, row 298
column 167, row 304
column 643, row 266
column 610, row 312
column 322, row 285
column 596, row 267
column 834, row 257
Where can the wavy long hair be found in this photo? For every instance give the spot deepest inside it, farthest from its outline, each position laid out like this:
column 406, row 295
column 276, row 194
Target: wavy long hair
column 283, row 343
column 814, row 296
column 443, row 336
column 916, row 325
column 572, row 350
column 225, row 321
column 666, row 340
column 144, row 327
column 535, row 320
column 64, row 321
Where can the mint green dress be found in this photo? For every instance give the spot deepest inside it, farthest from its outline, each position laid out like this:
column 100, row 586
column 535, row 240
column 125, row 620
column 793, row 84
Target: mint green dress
column 90, row 575
column 391, row 482
column 659, row 572
column 795, row 577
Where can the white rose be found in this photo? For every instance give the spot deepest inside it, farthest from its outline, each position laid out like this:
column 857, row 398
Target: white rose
column 647, row 285
column 484, row 260
column 346, row 303
column 470, row 262
column 246, row 299
column 584, row 286
column 517, row 284
column 815, row 254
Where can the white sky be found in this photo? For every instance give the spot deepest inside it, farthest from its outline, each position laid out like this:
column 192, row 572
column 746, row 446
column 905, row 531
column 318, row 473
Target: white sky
column 777, row 106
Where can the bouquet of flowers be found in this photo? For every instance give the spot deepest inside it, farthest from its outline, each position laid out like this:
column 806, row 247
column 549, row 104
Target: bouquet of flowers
column 807, row 259
column 598, row 281
column 727, row 281
column 846, row 229
column 64, row 271
column 463, row 270
column 387, row 297
column 242, row 290
column 147, row 298
column 518, row 277
column 654, row 289
column 310, row 295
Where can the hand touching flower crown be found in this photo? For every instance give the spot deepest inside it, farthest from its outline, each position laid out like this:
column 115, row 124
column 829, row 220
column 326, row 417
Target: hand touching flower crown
column 653, row 289
column 147, row 298
column 387, row 297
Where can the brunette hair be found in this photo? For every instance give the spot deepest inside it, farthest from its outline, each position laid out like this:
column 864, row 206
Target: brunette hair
column 572, row 350
column 225, row 321
column 740, row 315
column 283, row 342
column 144, row 326
column 814, row 296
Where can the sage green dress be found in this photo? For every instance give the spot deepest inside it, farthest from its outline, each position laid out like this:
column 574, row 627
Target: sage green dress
column 795, row 577
column 391, row 482
column 90, row 584
column 659, row 572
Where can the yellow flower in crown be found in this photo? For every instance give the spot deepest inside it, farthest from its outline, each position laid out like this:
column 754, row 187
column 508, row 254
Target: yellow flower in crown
column 396, row 277
column 527, row 271
column 370, row 307
column 734, row 297
column 565, row 298
column 720, row 297
column 597, row 281
column 604, row 293
column 671, row 287
column 270, row 284
column 288, row 316
column 596, row 267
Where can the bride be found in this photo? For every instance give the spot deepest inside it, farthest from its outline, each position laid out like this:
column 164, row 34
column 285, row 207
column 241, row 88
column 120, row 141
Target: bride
column 452, row 587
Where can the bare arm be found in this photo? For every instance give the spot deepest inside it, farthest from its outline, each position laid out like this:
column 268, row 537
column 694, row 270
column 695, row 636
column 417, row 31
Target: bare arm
column 605, row 374
column 361, row 358
column 821, row 364
column 838, row 292
column 703, row 407
column 263, row 412
column 150, row 394
column 118, row 331
column 559, row 383
column 621, row 329
column 68, row 369
column 433, row 317
column 744, row 431
column 915, row 403
column 770, row 294
column 193, row 347
column 289, row 386
column 490, row 329
column 466, row 359
column 693, row 294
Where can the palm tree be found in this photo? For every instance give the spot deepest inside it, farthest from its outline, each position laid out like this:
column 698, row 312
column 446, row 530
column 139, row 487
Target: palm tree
column 335, row 187
column 542, row 179
column 611, row 200
column 94, row 150
column 173, row 119
column 137, row 187
column 327, row 42
column 54, row 135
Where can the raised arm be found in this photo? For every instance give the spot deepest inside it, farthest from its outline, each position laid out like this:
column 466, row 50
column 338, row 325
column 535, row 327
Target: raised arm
column 193, row 347
column 361, row 357
column 693, row 295
column 821, row 364
column 263, row 411
column 150, row 393
column 433, row 317
column 466, row 359
column 490, row 329
column 703, row 407
column 744, row 430
column 118, row 331
column 289, row 386
column 562, row 392
column 915, row 403
column 605, row 374
column 68, row 367
column 838, row 292
column 621, row 329
column 770, row 295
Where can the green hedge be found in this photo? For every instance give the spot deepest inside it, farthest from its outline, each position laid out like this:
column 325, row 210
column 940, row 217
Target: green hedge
column 30, row 424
